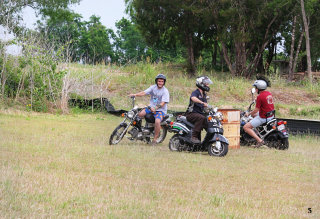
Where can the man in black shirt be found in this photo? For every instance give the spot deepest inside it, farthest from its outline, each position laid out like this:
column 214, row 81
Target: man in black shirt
column 195, row 111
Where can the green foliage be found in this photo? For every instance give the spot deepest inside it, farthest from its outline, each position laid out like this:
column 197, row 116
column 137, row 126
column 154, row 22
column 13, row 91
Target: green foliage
column 309, row 112
column 130, row 45
column 95, row 45
column 171, row 23
column 141, row 73
column 33, row 77
column 11, row 11
column 63, row 27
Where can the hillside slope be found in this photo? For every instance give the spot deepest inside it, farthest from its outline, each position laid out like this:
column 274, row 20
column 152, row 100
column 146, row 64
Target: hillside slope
column 293, row 100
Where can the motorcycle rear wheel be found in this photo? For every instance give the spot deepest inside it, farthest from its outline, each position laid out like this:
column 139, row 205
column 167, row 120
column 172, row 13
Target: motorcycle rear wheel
column 280, row 144
column 213, row 151
column 162, row 136
column 118, row 134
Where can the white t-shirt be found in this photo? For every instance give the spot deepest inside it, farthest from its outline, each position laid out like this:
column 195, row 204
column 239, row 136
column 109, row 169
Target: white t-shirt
column 158, row 96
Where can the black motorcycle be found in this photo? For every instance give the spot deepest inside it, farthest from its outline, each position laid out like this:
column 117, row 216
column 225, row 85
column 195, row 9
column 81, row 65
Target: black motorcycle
column 214, row 142
column 273, row 133
column 137, row 131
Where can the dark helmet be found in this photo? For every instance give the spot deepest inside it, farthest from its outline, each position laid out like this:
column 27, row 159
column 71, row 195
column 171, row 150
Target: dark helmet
column 203, row 82
column 160, row 76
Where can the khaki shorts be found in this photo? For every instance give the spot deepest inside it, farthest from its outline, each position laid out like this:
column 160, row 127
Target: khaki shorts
column 257, row 121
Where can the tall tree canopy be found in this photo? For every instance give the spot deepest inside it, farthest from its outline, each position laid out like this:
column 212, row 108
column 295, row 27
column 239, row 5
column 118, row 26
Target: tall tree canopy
column 63, row 27
column 171, row 21
column 244, row 29
column 130, row 45
column 94, row 43
column 10, row 10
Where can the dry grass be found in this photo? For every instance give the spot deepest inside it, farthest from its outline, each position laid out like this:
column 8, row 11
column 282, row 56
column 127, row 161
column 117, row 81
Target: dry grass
column 61, row 166
column 116, row 83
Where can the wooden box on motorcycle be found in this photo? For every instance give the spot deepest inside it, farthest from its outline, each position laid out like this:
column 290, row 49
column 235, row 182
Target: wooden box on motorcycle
column 231, row 126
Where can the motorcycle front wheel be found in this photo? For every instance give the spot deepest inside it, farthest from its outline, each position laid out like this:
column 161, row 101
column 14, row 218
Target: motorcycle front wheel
column 118, row 134
column 213, row 150
column 174, row 143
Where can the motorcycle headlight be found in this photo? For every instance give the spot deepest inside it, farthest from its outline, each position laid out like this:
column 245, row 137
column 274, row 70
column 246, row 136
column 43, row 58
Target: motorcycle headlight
column 219, row 116
column 130, row 114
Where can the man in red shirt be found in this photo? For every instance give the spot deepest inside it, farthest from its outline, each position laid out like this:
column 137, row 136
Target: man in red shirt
column 263, row 112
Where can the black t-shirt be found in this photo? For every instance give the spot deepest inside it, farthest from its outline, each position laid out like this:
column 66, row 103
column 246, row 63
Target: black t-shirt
column 197, row 107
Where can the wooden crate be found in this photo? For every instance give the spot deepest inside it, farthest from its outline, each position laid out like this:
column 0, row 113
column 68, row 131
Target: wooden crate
column 231, row 126
column 234, row 142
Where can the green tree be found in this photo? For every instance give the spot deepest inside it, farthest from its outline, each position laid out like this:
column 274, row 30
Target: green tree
column 63, row 27
column 171, row 22
column 130, row 44
column 95, row 46
column 10, row 10
column 246, row 28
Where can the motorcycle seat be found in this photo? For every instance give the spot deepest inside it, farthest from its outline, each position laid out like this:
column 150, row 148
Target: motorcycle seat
column 165, row 117
column 150, row 118
column 185, row 121
column 267, row 123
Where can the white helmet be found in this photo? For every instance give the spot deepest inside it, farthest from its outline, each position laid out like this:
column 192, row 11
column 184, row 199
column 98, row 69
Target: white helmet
column 203, row 82
column 260, row 84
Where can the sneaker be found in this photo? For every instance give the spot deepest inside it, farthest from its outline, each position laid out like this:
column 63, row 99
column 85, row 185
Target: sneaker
column 259, row 144
column 195, row 140
column 154, row 143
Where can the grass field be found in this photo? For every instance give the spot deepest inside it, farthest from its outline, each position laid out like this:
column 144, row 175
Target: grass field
column 61, row 166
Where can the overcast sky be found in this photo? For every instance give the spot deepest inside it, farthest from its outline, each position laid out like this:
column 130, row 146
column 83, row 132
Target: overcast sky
column 110, row 12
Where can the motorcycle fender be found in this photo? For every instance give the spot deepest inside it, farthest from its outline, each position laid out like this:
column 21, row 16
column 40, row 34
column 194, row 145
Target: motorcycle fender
column 124, row 124
column 220, row 138
column 178, row 127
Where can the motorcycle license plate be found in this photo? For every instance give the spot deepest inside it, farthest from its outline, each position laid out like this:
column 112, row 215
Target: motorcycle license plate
column 281, row 127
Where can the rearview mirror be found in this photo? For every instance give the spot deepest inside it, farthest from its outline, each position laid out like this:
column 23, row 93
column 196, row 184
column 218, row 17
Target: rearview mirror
column 253, row 90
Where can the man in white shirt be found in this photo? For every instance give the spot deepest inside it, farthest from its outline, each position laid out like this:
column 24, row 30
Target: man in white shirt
column 159, row 98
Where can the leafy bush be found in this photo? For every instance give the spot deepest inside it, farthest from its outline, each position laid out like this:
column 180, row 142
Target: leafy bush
column 32, row 76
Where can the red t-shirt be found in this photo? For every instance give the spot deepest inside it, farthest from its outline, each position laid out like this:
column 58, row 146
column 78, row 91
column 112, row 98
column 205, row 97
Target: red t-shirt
column 264, row 103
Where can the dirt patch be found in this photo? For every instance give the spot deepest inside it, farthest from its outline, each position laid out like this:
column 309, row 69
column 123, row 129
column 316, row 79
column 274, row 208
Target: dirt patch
column 300, row 97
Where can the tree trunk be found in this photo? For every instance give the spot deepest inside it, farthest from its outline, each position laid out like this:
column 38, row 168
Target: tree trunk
column 241, row 57
column 271, row 50
column 221, row 59
column 260, row 67
column 290, row 73
column 253, row 65
column 306, row 29
column 191, row 64
column 214, row 54
column 297, row 52
column 227, row 60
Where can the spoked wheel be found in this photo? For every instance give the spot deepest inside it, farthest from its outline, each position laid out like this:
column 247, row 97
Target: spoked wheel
column 218, row 149
column 162, row 136
column 174, row 143
column 118, row 134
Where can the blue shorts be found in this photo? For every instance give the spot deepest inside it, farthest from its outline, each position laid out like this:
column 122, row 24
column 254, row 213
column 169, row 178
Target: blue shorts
column 157, row 114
